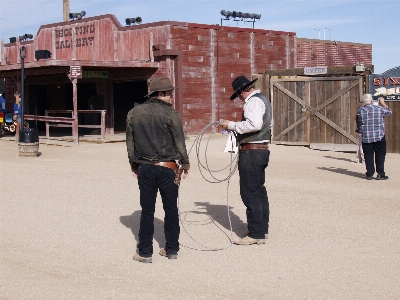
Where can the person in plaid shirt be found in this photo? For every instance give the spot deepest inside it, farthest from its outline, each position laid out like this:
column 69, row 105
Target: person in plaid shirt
column 372, row 128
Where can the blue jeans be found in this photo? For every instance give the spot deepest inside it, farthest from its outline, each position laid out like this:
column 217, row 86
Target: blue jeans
column 152, row 179
column 375, row 151
column 252, row 164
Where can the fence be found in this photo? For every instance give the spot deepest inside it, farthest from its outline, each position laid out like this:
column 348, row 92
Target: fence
column 58, row 121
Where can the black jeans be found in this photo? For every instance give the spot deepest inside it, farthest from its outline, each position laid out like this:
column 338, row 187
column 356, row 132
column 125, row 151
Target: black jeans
column 252, row 164
column 152, row 178
column 375, row 151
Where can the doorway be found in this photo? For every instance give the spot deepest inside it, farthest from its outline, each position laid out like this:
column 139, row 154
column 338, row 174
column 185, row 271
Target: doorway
column 127, row 95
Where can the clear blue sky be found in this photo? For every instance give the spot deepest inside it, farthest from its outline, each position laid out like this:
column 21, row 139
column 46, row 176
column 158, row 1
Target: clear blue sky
column 360, row 21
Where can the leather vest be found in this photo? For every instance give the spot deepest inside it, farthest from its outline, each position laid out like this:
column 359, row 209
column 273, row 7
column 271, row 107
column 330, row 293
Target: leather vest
column 265, row 132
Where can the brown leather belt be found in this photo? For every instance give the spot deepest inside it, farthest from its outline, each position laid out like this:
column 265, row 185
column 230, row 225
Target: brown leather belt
column 254, row 146
column 168, row 164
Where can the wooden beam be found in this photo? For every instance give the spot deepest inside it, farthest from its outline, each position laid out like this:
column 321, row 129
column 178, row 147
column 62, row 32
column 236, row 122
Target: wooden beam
column 291, row 143
column 331, row 71
column 49, row 119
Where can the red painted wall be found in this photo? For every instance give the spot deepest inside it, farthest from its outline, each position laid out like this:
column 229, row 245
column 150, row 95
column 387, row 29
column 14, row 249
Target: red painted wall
column 213, row 56
column 312, row 53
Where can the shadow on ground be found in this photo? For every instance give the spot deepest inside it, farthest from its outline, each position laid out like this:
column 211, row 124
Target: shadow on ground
column 344, row 159
column 133, row 221
column 219, row 213
column 343, row 171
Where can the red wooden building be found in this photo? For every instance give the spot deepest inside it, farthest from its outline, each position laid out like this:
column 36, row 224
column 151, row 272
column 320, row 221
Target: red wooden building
column 117, row 61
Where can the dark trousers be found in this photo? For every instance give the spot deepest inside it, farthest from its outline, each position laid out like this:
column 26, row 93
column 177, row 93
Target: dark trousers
column 152, row 179
column 252, row 164
column 375, row 151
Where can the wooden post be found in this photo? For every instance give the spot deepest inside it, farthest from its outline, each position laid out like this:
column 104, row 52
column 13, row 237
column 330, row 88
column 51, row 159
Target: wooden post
column 159, row 50
column 103, row 124
column 17, row 101
column 66, row 10
column 366, row 85
column 46, row 113
column 75, row 113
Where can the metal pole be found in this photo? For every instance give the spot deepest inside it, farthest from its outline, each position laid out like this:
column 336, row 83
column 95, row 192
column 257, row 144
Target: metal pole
column 329, row 33
column 22, row 54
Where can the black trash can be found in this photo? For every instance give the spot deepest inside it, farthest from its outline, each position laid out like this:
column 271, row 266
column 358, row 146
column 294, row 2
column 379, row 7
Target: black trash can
column 28, row 142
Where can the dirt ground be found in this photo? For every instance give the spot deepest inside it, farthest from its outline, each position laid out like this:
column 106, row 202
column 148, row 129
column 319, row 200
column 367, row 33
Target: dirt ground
column 69, row 225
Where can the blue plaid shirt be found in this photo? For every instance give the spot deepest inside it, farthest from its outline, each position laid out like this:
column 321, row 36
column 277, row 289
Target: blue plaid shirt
column 370, row 122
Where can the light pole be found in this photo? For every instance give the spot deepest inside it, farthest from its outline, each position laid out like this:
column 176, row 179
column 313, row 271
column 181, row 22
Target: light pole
column 22, row 55
column 28, row 140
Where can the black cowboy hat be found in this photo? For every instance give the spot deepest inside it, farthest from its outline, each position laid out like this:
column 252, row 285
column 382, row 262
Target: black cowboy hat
column 241, row 83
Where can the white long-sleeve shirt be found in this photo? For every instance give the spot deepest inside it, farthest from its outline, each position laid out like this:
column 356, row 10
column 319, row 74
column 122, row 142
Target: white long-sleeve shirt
column 253, row 110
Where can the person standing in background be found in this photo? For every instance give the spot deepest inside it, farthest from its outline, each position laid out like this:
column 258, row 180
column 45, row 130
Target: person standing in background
column 372, row 128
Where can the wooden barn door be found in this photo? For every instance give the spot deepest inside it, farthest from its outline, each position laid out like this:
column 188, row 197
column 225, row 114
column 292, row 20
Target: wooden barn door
column 319, row 112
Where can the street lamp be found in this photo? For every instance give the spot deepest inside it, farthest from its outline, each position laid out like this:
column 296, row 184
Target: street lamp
column 28, row 139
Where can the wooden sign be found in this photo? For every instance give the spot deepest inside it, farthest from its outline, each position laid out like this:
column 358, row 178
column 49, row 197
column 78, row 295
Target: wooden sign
column 315, row 70
column 75, row 71
column 95, row 74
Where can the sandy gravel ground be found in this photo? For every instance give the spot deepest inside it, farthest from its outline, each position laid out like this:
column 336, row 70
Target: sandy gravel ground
column 69, row 225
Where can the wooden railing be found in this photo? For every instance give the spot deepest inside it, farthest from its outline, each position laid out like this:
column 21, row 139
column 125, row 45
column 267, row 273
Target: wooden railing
column 57, row 121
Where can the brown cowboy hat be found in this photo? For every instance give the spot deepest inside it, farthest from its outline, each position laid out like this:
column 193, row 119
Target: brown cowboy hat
column 241, row 83
column 160, row 84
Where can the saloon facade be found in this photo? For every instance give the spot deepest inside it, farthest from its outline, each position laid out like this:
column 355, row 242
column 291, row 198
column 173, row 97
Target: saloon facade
column 96, row 63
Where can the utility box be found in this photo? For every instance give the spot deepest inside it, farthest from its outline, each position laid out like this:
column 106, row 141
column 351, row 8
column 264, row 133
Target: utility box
column 42, row 54
column 360, row 68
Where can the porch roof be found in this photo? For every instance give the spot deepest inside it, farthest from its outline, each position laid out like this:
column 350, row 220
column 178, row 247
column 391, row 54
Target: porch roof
column 61, row 66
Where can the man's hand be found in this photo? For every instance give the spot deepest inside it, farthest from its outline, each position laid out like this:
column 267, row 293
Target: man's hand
column 382, row 102
column 185, row 173
column 224, row 124
column 135, row 168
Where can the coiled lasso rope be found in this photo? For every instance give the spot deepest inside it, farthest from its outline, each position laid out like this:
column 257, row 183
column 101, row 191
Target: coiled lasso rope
column 206, row 168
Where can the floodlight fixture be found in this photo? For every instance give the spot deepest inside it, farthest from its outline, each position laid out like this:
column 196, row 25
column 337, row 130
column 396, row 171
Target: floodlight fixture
column 25, row 37
column 13, row 39
column 77, row 16
column 225, row 13
column 131, row 21
column 240, row 15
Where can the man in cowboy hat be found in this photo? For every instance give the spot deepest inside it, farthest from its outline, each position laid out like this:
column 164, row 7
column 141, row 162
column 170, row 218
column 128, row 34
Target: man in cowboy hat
column 253, row 135
column 155, row 142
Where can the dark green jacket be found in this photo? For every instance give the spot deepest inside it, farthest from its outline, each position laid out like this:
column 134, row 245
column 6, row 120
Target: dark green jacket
column 154, row 133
